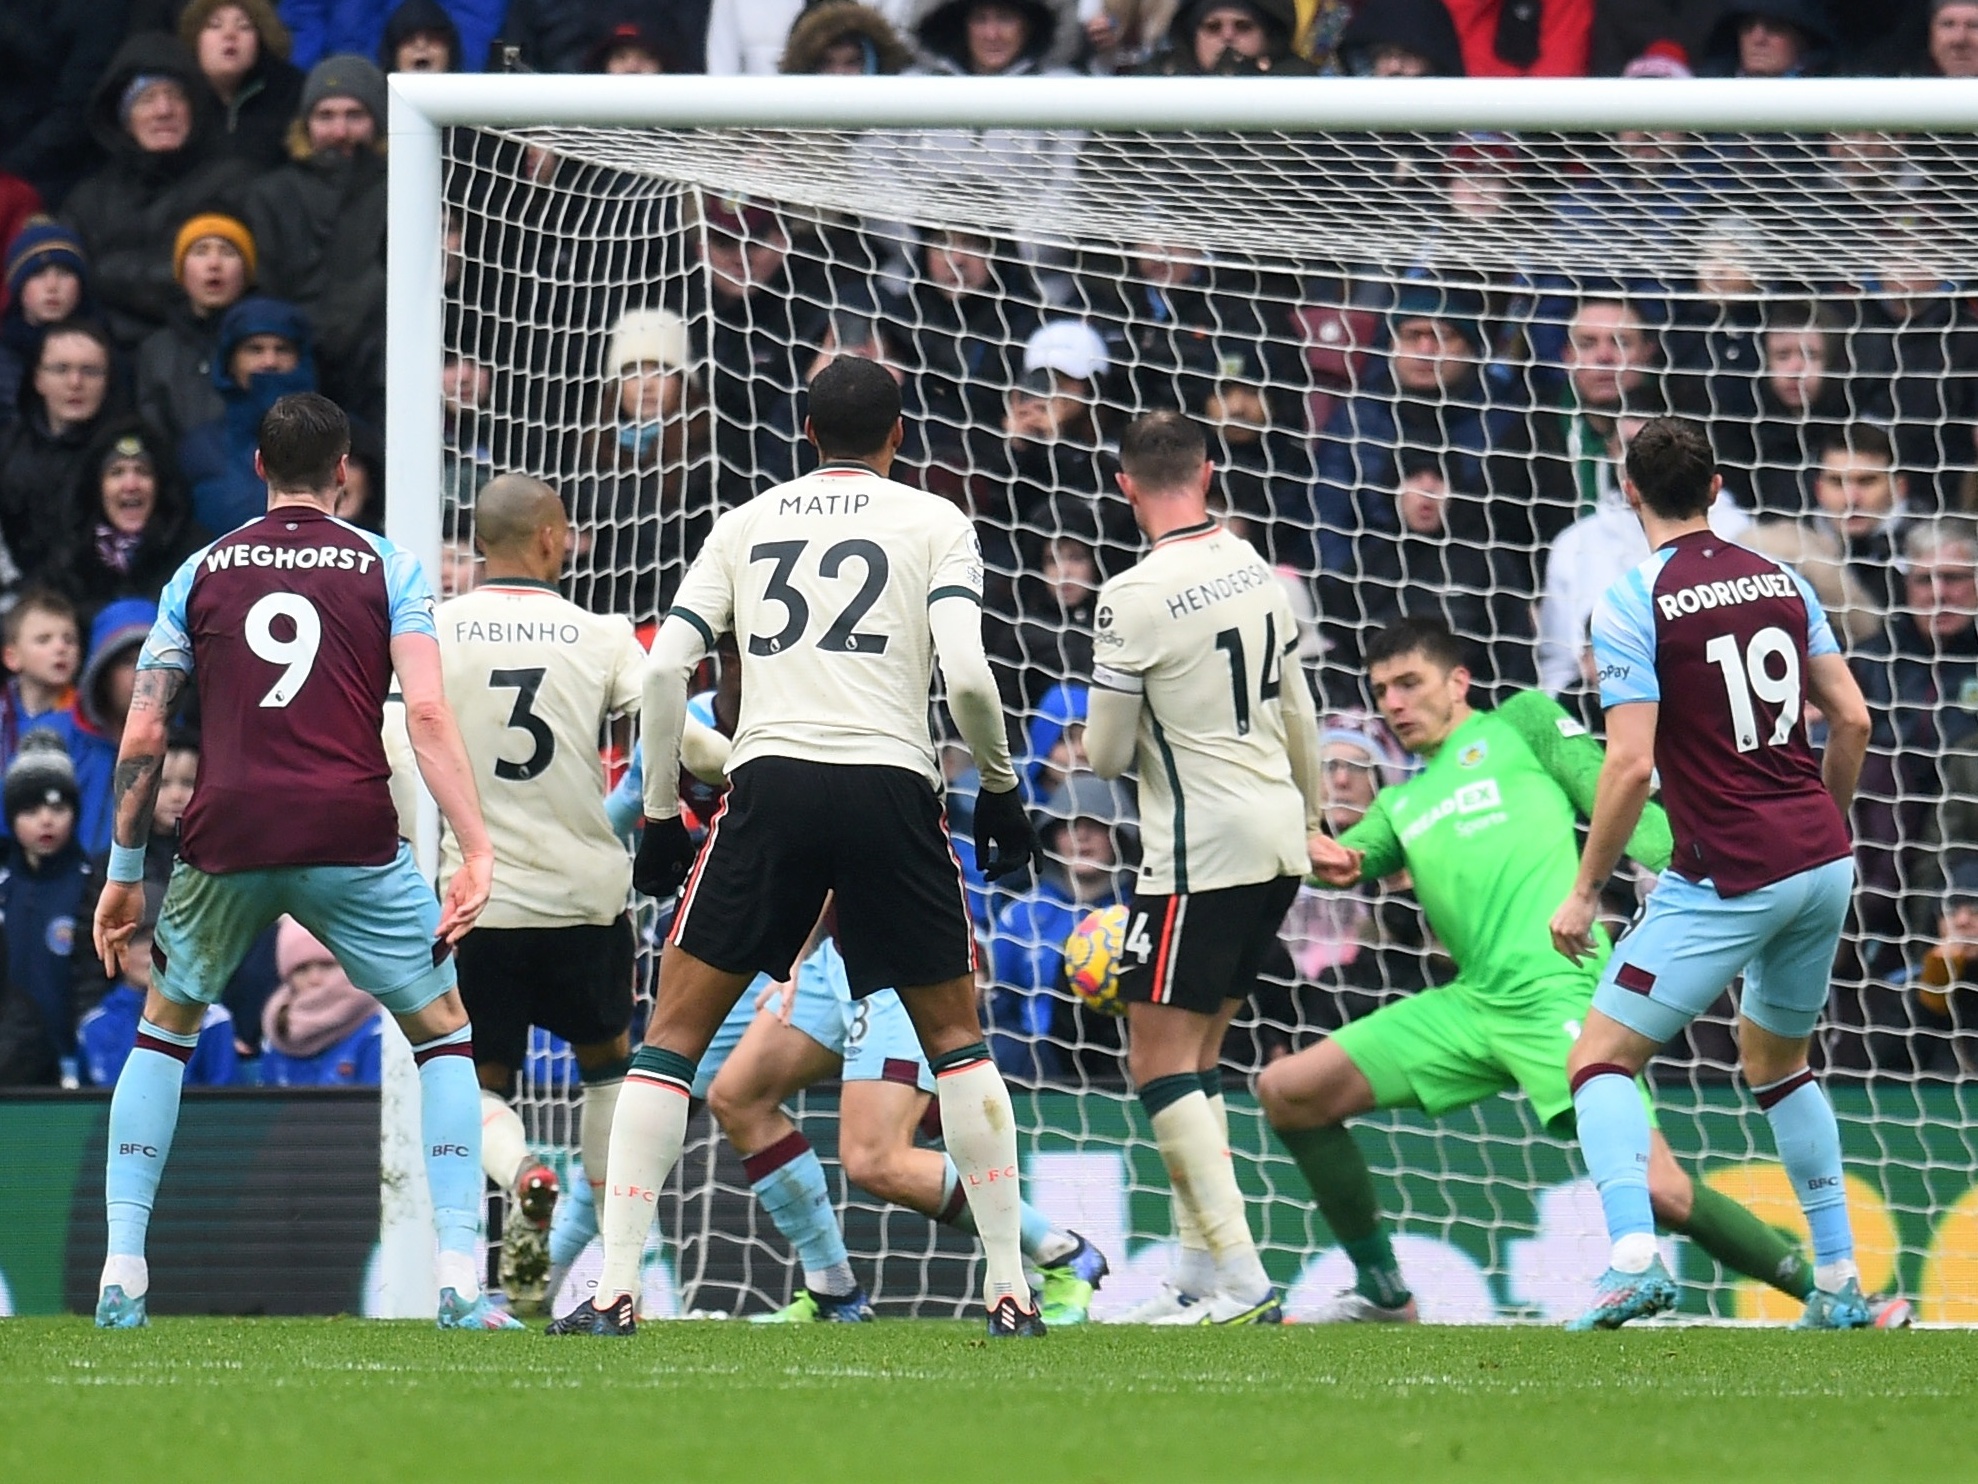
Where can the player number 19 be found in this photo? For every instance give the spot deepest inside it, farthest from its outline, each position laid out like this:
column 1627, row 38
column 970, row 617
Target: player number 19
column 1751, row 674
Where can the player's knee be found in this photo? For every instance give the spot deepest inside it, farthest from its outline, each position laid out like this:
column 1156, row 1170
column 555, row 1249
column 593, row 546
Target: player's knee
column 731, row 1105
column 1292, row 1100
column 873, row 1165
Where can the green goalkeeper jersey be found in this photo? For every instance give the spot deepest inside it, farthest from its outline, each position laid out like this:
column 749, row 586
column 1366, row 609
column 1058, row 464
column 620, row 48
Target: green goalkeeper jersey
column 1486, row 832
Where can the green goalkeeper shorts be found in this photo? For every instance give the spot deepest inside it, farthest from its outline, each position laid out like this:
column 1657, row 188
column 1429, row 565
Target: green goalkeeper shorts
column 1444, row 1049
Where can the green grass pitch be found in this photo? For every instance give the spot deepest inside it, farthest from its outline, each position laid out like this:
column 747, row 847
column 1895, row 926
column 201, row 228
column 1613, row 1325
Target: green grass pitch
column 218, row 1400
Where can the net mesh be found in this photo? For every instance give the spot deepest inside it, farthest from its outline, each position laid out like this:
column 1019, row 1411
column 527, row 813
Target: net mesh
column 1416, row 357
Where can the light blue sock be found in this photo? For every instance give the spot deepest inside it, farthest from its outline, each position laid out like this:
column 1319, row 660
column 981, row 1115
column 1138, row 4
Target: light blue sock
column 789, row 1181
column 450, row 1126
column 1809, row 1143
column 1614, row 1137
column 1039, row 1239
column 144, row 1114
column 574, row 1224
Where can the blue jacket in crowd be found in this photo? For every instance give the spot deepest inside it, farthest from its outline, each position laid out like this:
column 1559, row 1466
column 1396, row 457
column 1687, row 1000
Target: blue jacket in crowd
column 352, row 1062
column 39, row 905
column 217, row 457
column 109, row 1033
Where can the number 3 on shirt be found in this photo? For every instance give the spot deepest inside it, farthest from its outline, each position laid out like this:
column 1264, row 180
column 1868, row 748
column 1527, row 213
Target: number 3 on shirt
column 297, row 654
column 1270, row 683
column 1751, row 674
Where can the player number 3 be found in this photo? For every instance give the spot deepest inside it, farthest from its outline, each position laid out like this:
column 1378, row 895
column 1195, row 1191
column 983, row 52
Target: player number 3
column 1751, row 675
column 296, row 654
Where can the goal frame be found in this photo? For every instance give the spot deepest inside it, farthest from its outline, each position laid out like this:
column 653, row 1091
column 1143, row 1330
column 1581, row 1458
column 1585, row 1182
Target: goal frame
column 422, row 105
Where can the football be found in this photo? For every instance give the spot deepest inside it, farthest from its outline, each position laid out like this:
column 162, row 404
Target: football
column 1092, row 955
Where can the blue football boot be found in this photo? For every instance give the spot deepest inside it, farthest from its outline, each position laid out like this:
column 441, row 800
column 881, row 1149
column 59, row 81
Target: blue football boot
column 1626, row 1296
column 116, row 1311
column 480, row 1313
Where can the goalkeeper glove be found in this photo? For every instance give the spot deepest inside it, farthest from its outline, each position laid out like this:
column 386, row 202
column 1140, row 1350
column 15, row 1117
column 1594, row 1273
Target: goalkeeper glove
column 1005, row 843
column 666, row 854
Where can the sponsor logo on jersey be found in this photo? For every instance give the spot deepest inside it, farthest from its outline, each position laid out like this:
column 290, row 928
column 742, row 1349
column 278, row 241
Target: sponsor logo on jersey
column 1471, row 799
column 1104, row 618
column 1570, row 728
column 1725, row 594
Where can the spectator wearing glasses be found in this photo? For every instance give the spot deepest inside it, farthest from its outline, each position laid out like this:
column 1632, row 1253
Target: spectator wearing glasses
column 63, row 405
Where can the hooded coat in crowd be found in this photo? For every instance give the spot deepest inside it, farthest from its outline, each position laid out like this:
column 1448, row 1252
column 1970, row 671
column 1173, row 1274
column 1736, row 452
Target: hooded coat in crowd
column 217, row 458
column 129, row 212
column 823, row 26
column 99, row 565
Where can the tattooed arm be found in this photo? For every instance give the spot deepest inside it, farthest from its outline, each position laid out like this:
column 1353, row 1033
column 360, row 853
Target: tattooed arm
column 133, row 792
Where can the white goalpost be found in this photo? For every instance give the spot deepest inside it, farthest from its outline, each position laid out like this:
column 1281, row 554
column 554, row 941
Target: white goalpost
column 1788, row 260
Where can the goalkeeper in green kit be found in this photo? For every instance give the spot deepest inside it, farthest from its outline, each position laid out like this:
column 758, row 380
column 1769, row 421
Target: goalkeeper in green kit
column 1486, row 832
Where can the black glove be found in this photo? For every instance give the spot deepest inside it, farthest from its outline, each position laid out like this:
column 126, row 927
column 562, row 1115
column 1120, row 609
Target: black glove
column 1005, row 843
column 666, row 854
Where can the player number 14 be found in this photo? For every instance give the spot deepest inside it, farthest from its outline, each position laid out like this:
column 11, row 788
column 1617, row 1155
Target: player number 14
column 1270, row 682
column 1750, row 674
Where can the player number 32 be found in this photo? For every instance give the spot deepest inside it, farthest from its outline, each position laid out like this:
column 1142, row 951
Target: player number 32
column 1750, row 674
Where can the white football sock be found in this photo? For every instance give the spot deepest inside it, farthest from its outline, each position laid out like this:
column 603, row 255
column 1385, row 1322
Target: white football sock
column 980, row 1129
column 1197, row 1156
column 598, row 1103
column 648, row 1131
column 1634, row 1252
column 1195, row 1268
column 504, row 1142
column 132, row 1274
column 1828, row 1277
column 455, row 1270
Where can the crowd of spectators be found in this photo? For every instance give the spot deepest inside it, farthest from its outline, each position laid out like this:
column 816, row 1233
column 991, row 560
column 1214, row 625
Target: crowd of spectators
column 192, row 209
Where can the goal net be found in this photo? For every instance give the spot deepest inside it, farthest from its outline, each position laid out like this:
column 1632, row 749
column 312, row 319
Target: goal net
column 1416, row 356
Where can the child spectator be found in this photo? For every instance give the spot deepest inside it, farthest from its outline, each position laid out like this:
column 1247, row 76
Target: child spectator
column 214, row 261
column 264, row 352
column 43, row 650
column 321, row 1030
column 47, row 282
column 108, row 1033
column 1081, row 874
column 94, row 724
column 243, row 48
column 42, row 889
column 420, row 37
column 130, row 527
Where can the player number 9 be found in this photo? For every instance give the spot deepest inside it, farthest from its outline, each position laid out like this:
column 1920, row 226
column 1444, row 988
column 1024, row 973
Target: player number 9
column 297, row 655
